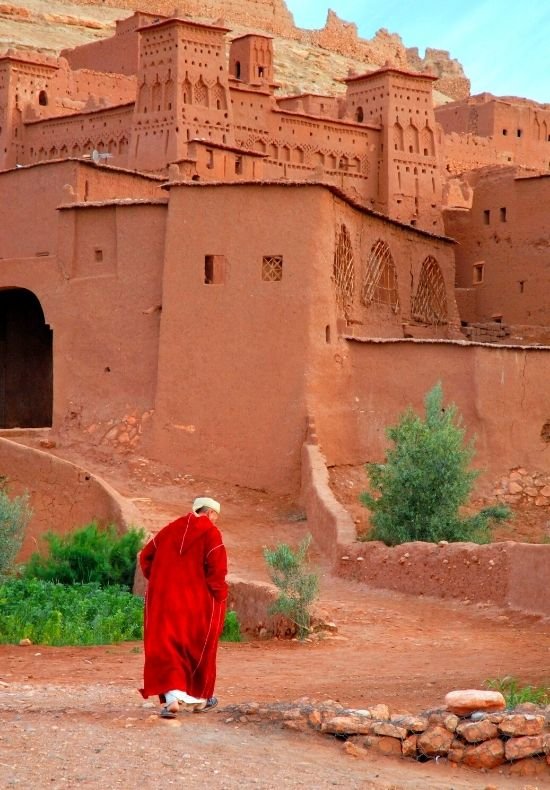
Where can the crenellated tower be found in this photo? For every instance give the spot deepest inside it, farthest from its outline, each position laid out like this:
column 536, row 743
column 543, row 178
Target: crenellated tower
column 182, row 91
column 409, row 169
column 251, row 59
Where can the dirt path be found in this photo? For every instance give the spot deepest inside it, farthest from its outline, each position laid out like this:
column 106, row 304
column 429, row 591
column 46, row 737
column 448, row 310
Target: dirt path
column 72, row 716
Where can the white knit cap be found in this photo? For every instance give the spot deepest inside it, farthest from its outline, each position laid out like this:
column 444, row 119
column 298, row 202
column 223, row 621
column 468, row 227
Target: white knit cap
column 205, row 501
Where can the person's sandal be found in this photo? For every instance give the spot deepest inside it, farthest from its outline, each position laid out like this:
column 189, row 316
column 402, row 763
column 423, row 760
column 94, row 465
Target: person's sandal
column 210, row 703
column 168, row 712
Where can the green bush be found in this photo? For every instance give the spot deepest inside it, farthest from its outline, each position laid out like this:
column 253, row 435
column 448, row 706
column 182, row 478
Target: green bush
column 48, row 613
column 88, row 555
column 231, row 628
column 297, row 588
column 15, row 515
column 418, row 492
column 514, row 693
column 56, row 614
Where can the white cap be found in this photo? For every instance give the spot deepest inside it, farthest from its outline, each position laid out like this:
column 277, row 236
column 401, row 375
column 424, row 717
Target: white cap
column 205, row 501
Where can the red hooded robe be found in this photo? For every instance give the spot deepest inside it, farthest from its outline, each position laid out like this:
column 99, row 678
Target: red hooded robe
column 186, row 565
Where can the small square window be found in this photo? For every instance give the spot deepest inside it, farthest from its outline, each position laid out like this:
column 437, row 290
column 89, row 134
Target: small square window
column 505, row 132
column 487, row 216
column 478, row 273
column 98, row 255
column 272, row 268
column 214, row 269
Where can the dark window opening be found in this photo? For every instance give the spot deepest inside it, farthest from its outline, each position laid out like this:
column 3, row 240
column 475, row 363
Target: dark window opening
column 503, row 214
column 210, row 160
column 478, row 273
column 487, row 216
column 519, row 132
column 98, row 255
column 505, row 132
column 521, row 284
column 359, row 115
column 214, row 269
column 238, row 165
column 238, row 69
column 43, row 99
column 260, row 71
column 327, row 333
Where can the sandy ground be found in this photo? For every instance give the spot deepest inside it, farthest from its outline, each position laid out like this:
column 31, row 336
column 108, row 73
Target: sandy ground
column 72, row 717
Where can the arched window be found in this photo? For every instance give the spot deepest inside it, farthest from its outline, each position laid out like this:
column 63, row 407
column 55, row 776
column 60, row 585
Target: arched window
column 359, row 115
column 380, row 278
column 218, row 96
column 398, row 137
column 344, row 271
column 201, row 93
column 186, row 91
column 429, row 304
column 43, row 99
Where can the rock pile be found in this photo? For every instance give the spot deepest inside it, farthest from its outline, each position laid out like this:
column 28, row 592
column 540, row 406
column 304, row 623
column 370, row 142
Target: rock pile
column 522, row 486
column 473, row 729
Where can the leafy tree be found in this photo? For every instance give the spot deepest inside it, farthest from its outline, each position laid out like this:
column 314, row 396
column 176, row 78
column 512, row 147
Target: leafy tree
column 297, row 588
column 417, row 494
column 15, row 515
column 89, row 554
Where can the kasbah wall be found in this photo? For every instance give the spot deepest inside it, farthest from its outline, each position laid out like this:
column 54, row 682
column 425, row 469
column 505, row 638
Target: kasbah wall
column 303, row 248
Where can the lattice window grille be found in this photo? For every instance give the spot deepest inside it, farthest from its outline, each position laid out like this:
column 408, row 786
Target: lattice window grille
column 201, row 93
column 344, row 271
column 380, row 279
column 429, row 304
column 272, row 268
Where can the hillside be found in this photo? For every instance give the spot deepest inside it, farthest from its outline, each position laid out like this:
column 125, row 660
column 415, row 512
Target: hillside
column 305, row 60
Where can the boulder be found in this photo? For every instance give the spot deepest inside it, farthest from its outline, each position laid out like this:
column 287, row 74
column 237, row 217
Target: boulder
column 477, row 731
column 527, row 746
column 467, row 701
column 488, row 754
column 522, row 724
column 436, row 740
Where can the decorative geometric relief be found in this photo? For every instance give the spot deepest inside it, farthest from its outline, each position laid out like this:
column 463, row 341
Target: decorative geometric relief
column 380, row 278
column 429, row 304
column 201, row 93
column 344, row 271
column 272, row 268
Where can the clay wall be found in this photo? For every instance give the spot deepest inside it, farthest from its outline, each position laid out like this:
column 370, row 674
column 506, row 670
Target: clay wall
column 488, row 384
column 117, row 54
column 99, row 287
column 515, row 130
column 503, row 248
column 509, row 574
column 233, row 365
column 62, row 496
column 77, row 135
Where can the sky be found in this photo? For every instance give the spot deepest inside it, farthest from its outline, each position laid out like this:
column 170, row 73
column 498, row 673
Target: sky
column 503, row 45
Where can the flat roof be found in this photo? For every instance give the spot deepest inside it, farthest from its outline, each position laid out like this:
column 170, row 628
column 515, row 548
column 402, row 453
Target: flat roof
column 444, row 341
column 87, row 163
column 393, row 70
column 79, row 112
column 185, row 21
column 340, row 193
column 115, row 202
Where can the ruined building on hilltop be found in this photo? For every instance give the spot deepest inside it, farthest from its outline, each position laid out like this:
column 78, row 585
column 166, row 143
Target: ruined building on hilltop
column 192, row 265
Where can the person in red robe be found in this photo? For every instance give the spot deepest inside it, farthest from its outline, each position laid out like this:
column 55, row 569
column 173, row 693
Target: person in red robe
column 185, row 565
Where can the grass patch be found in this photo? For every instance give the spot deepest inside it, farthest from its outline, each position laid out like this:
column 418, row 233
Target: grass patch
column 55, row 614
column 514, row 693
column 231, row 628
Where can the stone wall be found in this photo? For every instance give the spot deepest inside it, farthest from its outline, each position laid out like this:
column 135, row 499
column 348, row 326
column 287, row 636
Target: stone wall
column 507, row 742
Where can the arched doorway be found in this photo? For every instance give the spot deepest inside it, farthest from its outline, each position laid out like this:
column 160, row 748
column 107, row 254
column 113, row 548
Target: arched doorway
column 26, row 371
